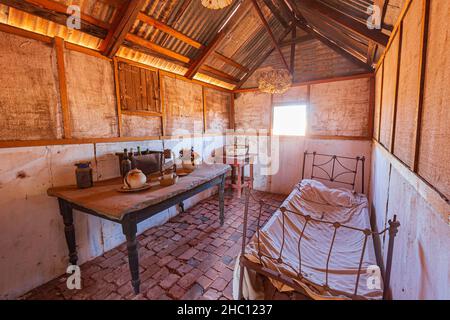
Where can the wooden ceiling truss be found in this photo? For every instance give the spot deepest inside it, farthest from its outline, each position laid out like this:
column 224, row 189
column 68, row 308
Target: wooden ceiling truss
column 289, row 14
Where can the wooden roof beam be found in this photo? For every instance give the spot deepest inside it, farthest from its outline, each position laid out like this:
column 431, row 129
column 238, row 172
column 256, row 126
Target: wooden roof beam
column 316, row 7
column 292, row 62
column 269, row 31
column 182, row 37
column 208, row 50
column 230, row 62
column 56, row 12
column 276, row 13
column 124, row 20
column 156, row 48
column 372, row 47
column 298, row 19
column 334, row 46
column 219, row 74
column 62, row 8
column 260, row 61
column 169, row 30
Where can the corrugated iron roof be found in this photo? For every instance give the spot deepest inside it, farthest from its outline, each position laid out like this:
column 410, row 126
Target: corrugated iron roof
column 246, row 41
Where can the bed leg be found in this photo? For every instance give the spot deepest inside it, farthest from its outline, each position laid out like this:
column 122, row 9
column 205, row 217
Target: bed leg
column 393, row 229
column 241, row 279
column 244, row 239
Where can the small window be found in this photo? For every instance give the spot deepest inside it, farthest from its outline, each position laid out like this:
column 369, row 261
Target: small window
column 289, row 120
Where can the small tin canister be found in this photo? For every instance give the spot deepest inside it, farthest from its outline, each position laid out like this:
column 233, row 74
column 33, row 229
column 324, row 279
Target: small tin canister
column 83, row 174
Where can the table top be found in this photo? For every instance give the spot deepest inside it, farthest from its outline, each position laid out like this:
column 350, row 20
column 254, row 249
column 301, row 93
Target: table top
column 104, row 199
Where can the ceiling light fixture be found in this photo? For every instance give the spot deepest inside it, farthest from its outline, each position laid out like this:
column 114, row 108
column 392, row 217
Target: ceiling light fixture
column 275, row 81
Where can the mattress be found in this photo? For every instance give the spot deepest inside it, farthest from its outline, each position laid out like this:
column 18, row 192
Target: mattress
column 332, row 205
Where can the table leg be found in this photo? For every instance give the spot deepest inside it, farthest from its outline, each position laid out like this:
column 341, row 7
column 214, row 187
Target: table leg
column 251, row 176
column 129, row 227
column 239, row 181
column 222, row 200
column 69, row 230
column 181, row 204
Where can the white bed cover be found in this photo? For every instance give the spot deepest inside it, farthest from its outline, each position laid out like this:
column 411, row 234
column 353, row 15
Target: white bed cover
column 315, row 245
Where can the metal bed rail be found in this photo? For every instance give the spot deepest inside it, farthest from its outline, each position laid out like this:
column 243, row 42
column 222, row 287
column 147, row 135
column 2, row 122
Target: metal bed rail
column 336, row 169
column 392, row 230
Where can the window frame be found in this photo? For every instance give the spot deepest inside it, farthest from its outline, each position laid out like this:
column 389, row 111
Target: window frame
column 290, row 104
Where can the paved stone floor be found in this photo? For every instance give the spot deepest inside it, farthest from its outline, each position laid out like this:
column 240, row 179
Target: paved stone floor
column 189, row 257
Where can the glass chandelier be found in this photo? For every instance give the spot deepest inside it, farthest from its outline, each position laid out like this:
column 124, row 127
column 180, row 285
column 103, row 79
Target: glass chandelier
column 275, row 81
column 216, row 4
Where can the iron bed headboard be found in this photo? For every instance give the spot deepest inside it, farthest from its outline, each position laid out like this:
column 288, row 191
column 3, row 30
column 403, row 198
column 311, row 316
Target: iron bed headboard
column 392, row 230
column 337, row 169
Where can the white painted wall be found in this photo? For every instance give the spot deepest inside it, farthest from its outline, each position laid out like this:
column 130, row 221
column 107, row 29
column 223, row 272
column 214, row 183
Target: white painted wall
column 32, row 245
column 286, row 161
column 421, row 266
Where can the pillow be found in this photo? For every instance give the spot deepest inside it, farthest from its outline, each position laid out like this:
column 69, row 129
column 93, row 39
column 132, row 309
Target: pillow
column 315, row 191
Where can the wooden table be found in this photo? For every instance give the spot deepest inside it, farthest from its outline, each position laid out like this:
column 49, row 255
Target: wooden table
column 238, row 179
column 104, row 201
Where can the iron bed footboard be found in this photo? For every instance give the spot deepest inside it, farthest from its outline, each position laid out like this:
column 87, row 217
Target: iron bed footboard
column 392, row 230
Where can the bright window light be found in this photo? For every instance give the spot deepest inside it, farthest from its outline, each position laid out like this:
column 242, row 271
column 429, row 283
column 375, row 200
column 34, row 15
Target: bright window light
column 289, row 120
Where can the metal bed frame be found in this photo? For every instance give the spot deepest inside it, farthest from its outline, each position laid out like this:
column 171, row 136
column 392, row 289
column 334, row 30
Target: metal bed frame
column 260, row 268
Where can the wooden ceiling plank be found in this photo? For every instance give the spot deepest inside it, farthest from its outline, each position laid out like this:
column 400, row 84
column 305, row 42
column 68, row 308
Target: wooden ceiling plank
column 316, row 7
column 55, row 15
column 230, row 62
column 269, row 31
column 154, row 47
column 169, row 30
column 124, row 20
column 211, row 47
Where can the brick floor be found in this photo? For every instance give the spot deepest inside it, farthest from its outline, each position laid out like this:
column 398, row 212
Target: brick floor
column 189, row 257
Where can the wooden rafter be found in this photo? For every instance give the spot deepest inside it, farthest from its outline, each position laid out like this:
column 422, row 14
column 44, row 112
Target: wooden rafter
column 204, row 55
column 230, row 61
column 372, row 47
column 293, row 37
column 300, row 21
column 169, row 30
column 269, row 31
column 208, row 50
column 219, row 74
column 184, row 38
column 62, row 8
column 337, row 48
column 124, row 20
column 178, row 15
column 55, row 12
column 260, row 61
column 277, row 14
column 316, row 7
column 156, row 48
